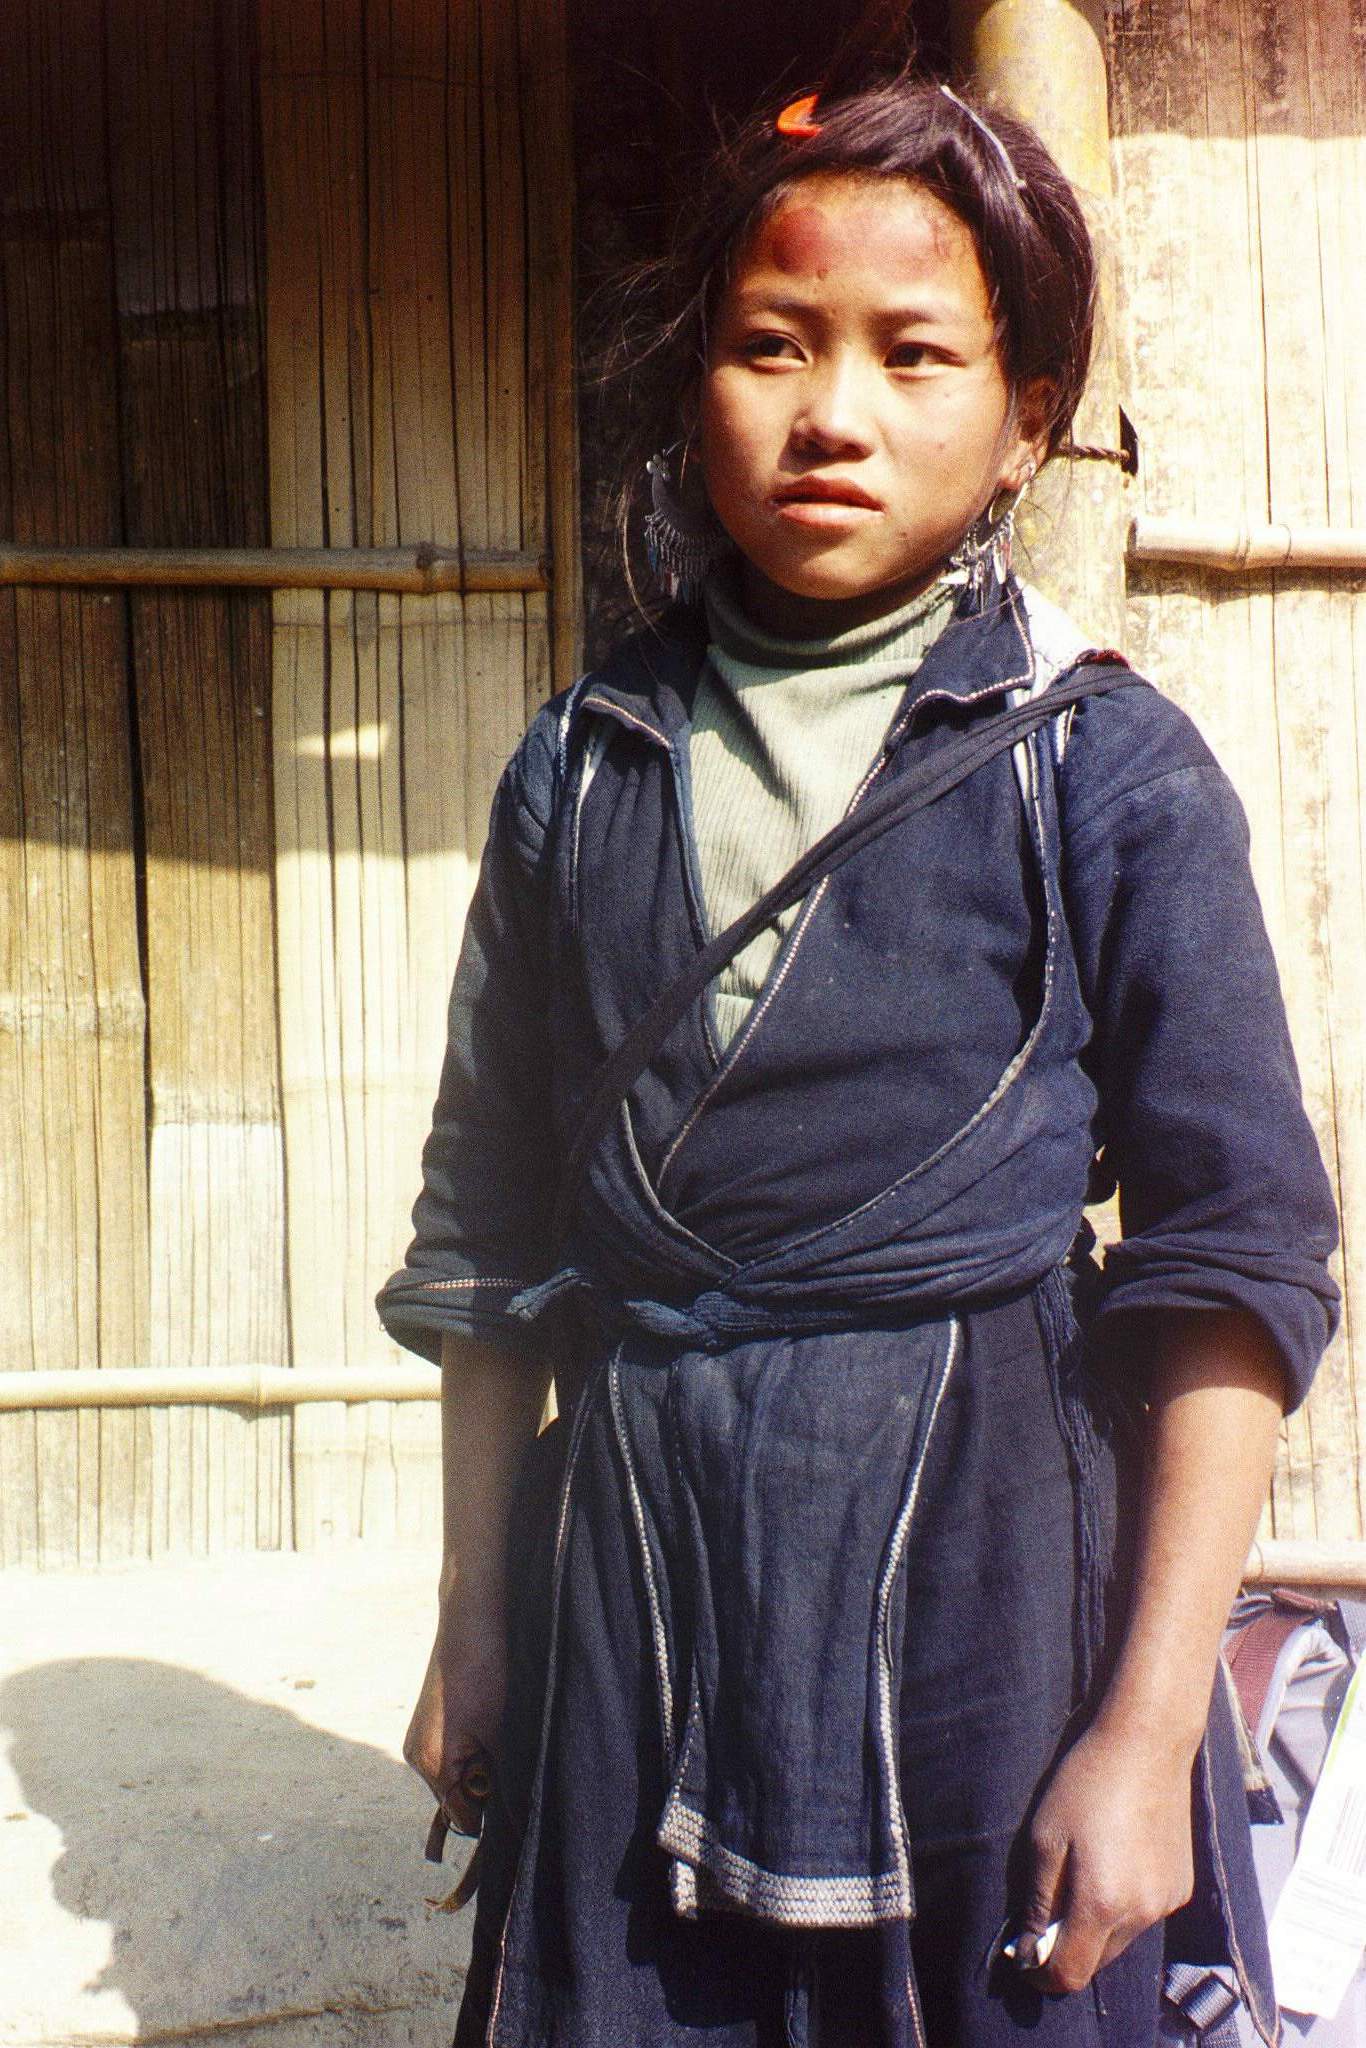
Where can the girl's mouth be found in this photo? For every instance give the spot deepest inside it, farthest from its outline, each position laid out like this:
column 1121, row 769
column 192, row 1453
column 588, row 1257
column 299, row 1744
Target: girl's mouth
column 828, row 514
column 823, row 503
column 822, row 490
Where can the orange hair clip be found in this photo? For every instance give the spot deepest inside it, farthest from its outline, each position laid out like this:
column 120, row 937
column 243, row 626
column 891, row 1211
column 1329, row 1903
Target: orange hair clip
column 795, row 119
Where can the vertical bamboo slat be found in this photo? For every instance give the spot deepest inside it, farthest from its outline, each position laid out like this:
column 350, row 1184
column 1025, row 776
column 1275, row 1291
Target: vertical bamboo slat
column 318, row 379
column 191, row 380
column 552, row 365
column 1308, row 463
column 408, row 374
column 1238, row 149
column 72, row 1180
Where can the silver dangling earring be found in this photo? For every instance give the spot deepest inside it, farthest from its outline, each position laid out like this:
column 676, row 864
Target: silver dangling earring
column 681, row 545
column 973, row 558
column 985, row 552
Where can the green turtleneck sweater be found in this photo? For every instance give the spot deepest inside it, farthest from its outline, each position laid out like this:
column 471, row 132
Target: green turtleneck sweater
column 783, row 733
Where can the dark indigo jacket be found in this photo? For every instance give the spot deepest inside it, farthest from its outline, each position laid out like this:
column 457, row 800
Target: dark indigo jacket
column 1051, row 964
column 1185, row 1087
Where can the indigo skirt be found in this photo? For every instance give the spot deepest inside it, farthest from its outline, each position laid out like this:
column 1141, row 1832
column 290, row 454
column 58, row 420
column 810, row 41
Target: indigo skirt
column 994, row 1672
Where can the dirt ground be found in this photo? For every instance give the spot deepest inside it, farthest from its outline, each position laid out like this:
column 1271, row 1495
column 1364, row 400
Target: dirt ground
column 207, row 1831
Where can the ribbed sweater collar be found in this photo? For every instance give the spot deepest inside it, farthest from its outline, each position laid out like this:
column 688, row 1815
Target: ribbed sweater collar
column 898, row 639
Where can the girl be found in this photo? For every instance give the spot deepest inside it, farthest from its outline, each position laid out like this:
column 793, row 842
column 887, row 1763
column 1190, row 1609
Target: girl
column 864, row 1625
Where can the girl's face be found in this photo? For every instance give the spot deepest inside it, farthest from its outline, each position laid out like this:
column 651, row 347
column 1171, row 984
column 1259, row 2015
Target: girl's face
column 855, row 418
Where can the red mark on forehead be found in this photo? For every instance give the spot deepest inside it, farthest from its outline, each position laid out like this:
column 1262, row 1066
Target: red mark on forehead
column 896, row 229
column 800, row 237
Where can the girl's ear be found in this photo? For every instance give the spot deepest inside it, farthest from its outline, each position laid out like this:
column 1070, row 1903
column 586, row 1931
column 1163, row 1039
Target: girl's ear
column 1028, row 450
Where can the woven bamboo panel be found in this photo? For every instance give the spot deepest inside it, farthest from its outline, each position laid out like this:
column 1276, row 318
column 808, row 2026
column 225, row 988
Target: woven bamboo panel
column 72, row 1173
column 139, row 1054
column 418, row 370
column 1240, row 163
column 185, row 197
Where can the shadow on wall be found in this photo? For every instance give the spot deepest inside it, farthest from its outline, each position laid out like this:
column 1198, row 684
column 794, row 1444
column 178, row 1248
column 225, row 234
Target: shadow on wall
column 249, row 1867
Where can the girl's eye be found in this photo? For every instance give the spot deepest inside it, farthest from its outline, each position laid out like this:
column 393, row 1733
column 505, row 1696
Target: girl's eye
column 910, row 355
column 767, row 347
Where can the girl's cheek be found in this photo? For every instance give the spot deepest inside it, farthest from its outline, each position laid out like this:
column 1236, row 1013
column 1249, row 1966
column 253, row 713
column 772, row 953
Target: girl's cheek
column 722, row 416
column 738, row 415
column 730, row 441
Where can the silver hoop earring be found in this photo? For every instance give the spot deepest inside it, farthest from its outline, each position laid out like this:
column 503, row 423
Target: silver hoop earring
column 985, row 552
column 681, row 545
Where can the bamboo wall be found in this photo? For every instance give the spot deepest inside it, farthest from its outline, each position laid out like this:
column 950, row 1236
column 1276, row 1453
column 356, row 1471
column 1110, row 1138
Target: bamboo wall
column 1240, row 165
column 297, row 272
column 289, row 274
column 410, row 327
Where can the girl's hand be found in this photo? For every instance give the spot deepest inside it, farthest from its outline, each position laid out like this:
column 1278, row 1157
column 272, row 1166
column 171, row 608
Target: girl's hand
column 1110, row 1851
column 454, row 1728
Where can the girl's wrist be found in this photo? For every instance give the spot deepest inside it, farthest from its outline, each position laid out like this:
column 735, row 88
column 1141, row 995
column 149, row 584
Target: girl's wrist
column 1163, row 1722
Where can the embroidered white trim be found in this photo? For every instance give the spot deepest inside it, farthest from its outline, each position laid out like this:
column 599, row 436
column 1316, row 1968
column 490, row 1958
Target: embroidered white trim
column 647, row 1563
column 663, row 1216
column 709, row 1875
column 626, row 717
column 882, row 1620
column 437, row 1285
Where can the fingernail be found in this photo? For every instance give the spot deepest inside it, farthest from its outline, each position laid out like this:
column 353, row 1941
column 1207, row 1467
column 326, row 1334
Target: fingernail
column 1030, row 1951
column 1045, row 1944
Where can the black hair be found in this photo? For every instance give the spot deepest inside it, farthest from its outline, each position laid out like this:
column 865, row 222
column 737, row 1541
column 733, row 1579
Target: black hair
column 1026, row 221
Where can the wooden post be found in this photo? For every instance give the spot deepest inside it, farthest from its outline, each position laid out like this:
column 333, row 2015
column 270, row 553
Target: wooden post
column 1045, row 61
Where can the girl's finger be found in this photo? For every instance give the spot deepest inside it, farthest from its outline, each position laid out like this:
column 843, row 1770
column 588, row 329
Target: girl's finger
column 1048, row 1867
column 1083, row 1944
column 474, row 1777
column 465, row 1816
column 462, row 1801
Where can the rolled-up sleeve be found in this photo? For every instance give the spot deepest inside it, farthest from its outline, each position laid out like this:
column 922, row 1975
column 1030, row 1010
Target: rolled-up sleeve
column 1224, row 1202
column 482, row 1219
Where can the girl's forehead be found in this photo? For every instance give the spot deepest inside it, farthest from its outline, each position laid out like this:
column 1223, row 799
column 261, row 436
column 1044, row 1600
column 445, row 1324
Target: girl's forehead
column 886, row 225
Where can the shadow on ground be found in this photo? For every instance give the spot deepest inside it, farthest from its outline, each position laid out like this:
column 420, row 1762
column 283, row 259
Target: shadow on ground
column 249, row 1865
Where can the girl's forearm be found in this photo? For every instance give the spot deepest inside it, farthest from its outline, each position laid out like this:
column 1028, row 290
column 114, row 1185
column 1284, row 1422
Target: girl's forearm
column 491, row 1403
column 1215, row 1413
column 1111, row 1837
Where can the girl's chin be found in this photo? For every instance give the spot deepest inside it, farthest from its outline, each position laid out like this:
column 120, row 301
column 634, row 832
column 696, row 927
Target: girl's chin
column 832, row 583
column 823, row 568
column 810, row 603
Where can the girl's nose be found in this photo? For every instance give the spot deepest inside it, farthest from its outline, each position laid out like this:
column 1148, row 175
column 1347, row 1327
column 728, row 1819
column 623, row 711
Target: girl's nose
column 833, row 416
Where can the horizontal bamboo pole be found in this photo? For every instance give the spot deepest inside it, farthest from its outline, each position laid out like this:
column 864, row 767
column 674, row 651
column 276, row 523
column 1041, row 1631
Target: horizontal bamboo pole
column 1226, row 544
column 1278, row 1563
column 417, row 570
column 1306, row 1564
column 234, row 1386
